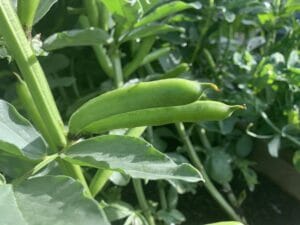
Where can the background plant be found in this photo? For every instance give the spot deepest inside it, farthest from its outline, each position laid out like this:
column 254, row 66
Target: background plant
column 87, row 48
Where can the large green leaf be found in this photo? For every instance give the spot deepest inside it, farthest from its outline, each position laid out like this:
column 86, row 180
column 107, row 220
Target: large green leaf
column 56, row 200
column 8, row 164
column 134, row 156
column 292, row 6
column 129, row 11
column 167, row 10
column 117, row 210
column 18, row 136
column 218, row 166
column 148, row 30
column 44, row 7
column 80, row 37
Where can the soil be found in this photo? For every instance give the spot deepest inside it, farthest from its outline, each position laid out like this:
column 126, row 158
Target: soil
column 267, row 205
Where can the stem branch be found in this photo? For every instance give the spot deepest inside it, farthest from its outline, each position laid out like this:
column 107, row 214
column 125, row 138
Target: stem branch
column 208, row 183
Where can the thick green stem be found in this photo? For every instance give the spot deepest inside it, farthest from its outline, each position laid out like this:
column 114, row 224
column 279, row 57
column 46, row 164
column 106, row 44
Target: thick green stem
column 137, row 184
column 29, row 106
column 99, row 181
column 32, row 72
column 136, row 132
column 35, row 79
column 118, row 72
column 75, row 171
column 208, row 183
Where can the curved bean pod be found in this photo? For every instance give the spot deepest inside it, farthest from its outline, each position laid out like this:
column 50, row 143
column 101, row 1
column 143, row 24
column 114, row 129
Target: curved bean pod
column 168, row 92
column 193, row 112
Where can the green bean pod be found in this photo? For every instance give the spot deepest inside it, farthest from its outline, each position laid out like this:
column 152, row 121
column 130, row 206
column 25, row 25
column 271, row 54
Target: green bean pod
column 193, row 112
column 168, row 92
column 26, row 11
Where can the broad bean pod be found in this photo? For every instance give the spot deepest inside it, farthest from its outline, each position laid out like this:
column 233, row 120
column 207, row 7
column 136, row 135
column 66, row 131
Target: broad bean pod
column 168, row 92
column 194, row 112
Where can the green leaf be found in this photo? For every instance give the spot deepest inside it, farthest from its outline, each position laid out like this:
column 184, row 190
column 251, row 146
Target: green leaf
column 294, row 60
column 117, row 210
column 8, row 164
column 172, row 216
column 44, row 7
column 292, row 6
column 255, row 43
column 48, row 200
column 119, row 179
column 167, row 10
column 149, row 30
column 18, row 136
column 244, row 146
column 134, row 156
column 218, row 166
column 274, row 146
column 128, row 10
column 79, row 37
column 54, row 63
column 172, row 198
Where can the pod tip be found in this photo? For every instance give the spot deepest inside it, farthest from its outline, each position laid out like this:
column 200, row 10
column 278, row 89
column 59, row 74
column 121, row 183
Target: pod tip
column 239, row 107
column 215, row 87
column 212, row 86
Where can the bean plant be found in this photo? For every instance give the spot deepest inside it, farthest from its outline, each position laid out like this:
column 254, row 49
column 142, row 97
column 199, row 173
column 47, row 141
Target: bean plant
column 91, row 90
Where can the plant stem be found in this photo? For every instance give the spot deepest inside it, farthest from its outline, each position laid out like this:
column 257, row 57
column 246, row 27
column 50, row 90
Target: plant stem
column 30, row 68
column 35, row 79
column 162, row 195
column 208, row 183
column 204, row 139
column 99, row 180
column 137, row 184
column 136, row 132
column 29, row 106
column 230, row 195
column 116, row 61
column 75, row 171
column 277, row 130
column 138, row 58
column 210, row 60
